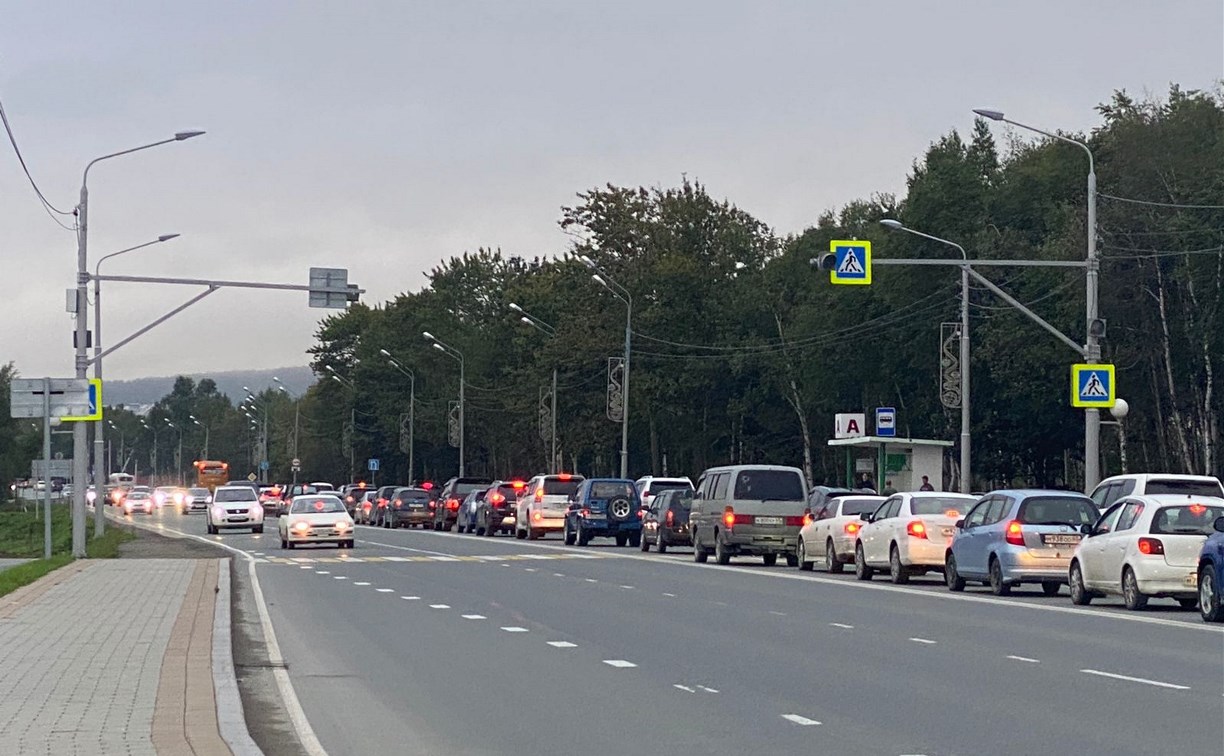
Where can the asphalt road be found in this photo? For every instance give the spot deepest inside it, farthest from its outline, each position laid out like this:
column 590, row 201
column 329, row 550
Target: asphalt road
column 439, row 643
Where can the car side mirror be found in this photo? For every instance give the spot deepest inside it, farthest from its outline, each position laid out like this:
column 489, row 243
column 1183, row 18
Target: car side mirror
column 960, row 524
column 1218, row 524
column 1086, row 529
column 865, row 517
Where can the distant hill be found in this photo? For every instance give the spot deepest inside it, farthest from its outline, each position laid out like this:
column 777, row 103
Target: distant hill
column 146, row 391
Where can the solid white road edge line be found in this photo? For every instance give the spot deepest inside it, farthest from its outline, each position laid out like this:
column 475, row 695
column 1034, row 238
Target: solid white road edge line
column 231, row 721
column 799, row 720
column 1128, row 678
column 945, row 595
column 297, row 716
column 684, row 688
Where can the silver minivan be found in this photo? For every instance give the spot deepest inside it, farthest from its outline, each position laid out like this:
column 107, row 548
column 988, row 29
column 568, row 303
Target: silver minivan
column 748, row 510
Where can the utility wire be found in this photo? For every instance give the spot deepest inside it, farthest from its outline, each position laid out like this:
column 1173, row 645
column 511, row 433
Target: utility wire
column 1151, row 253
column 47, row 206
column 1161, row 204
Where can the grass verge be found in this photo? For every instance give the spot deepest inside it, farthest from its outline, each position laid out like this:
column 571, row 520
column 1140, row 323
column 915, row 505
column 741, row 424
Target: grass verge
column 106, row 547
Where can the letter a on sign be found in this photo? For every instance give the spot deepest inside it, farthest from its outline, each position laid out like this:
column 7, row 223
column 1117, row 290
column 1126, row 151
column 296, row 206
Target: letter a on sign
column 849, row 425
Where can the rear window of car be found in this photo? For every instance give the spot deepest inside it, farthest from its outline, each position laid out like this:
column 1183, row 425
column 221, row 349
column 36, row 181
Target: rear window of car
column 938, row 505
column 778, row 485
column 319, row 504
column 1186, row 487
column 465, row 487
column 234, row 494
column 509, row 491
column 557, row 487
column 413, row 496
column 1057, row 510
column 1186, row 519
column 654, row 488
column 609, row 489
column 856, row 506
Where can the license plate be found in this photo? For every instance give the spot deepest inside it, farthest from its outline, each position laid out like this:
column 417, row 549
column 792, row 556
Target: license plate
column 1191, row 579
column 768, row 521
column 1060, row 539
column 948, row 532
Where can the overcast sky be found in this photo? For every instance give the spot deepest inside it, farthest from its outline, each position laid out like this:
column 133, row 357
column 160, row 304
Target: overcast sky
column 386, row 136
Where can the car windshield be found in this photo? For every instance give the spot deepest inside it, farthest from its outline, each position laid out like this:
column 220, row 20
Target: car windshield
column 1186, row 519
column 234, row 494
column 198, row 492
column 1057, row 510
column 856, row 505
column 317, row 505
column 1185, row 487
column 610, row 488
column 775, row 485
column 138, row 495
column 939, row 505
column 657, row 487
column 557, row 487
column 463, row 488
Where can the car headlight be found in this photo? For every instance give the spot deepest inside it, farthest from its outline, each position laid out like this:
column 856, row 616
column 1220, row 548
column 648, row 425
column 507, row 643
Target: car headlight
column 218, row 512
column 301, row 526
column 343, row 525
column 257, row 511
column 90, row 496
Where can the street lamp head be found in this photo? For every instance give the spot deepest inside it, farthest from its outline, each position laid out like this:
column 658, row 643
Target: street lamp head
column 515, row 307
column 244, row 388
column 330, row 369
column 994, row 115
column 587, row 261
column 1120, row 409
column 439, row 347
column 384, row 353
column 428, row 335
column 892, row 225
column 167, row 237
column 526, row 320
column 180, row 136
column 599, row 280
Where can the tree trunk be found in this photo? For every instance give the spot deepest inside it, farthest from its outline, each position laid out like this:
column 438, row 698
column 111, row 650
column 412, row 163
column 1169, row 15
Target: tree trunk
column 654, row 447
column 1178, row 428
column 796, row 402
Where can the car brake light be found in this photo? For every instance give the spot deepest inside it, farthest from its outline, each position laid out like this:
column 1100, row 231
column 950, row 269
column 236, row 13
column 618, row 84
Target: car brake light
column 917, row 529
column 496, row 498
column 535, row 516
column 518, row 485
column 562, row 476
column 1151, row 546
column 852, row 528
column 1014, row 534
column 671, row 517
column 539, row 494
column 729, row 517
column 433, row 504
column 452, row 504
column 952, row 514
column 807, row 517
column 1197, row 509
column 586, row 513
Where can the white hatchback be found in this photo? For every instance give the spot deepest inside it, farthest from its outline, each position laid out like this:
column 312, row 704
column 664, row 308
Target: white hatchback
column 909, row 534
column 235, row 507
column 1144, row 547
column 831, row 536
column 316, row 518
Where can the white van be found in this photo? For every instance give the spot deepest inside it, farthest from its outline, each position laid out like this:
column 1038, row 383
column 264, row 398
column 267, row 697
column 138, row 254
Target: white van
column 1146, row 484
column 749, row 510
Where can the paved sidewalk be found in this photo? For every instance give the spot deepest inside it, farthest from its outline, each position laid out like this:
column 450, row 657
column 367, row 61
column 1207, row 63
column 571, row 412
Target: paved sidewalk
column 111, row 657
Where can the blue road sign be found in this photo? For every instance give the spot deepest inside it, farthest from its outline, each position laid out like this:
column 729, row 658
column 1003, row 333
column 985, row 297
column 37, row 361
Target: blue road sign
column 373, row 465
column 886, row 422
column 1093, row 386
column 95, row 402
column 852, row 262
column 263, row 465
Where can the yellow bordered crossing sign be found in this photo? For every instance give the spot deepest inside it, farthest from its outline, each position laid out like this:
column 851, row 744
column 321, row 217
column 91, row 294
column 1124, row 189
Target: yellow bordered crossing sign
column 95, row 403
column 851, row 262
column 1093, row 386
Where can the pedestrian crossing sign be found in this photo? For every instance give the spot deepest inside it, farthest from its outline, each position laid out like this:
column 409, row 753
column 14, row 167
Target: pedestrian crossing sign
column 851, row 262
column 1093, row 386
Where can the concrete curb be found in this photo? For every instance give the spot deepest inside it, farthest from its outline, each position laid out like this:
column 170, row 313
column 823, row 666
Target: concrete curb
column 230, row 717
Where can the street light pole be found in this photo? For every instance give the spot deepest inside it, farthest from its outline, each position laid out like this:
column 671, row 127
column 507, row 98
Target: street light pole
column 99, row 458
column 548, row 330
column 80, row 441
column 1092, row 346
column 455, row 354
column 621, row 293
column 966, row 477
column 297, row 412
column 411, row 410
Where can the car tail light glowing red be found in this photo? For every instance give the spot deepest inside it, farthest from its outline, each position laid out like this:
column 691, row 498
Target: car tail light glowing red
column 729, row 517
column 1151, row 546
column 518, row 485
column 1197, row 509
column 807, row 518
column 917, row 529
column 433, row 504
column 1014, row 534
column 641, row 514
column 852, row 528
column 539, row 494
column 796, row 521
column 496, row 499
column 586, row 513
column 562, row 476
column 452, row 504
column 671, row 518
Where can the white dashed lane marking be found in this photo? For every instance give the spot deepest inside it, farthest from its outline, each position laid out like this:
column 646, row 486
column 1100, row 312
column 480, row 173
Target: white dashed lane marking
column 439, row 606
column 707, row 690
column 1141, row 680
column 474, row 616
column 558, row 574
column 685, row 688
column 842, row 625
column 800, row 720
column 619, row 663
column 927, row 641
column 322, row 572
column 670, row 595
column 339, row 577
column 592, row 580
column 778, row 614
column 1024, row 659
column 562, row 644
column 513, row 629
column 384, row 590
column 531, row 569
column 627, row 587
column 360, row 583
column 411, row 598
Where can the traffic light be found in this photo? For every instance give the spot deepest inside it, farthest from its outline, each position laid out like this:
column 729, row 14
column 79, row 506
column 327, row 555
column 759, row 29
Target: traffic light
column 825, row 261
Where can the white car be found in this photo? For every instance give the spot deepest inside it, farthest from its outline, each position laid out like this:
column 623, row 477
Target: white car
column 830, row 537
column 909, row 534
column 649, row 487
column 197, row 498
column 1143, row 484
column 235, row 507
column 542, row 506
column 1144, row 547
column 316, row 518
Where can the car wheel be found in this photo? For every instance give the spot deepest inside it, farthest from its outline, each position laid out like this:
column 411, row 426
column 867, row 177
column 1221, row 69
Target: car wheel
column 660, row 544
column 1051, row 589
column 644, row 544
column 997, row 586
column 833, row 565
column 291, row 545
column 792, row 560
column 258, row 529
column 722, row 554
column 284, row 544
column 622, row 539
column 584, row 538
column 769, row 560
column 520, row 534
column 804, row 564
column 1075, row 582
column 1209, row 595
column 700, row 555
column 635, row 540
column 567, row 535
column 861, row 570
column 1187, row 603
column 897, row 571
column 952, row 578
column 386, row 523
column 1130, row 591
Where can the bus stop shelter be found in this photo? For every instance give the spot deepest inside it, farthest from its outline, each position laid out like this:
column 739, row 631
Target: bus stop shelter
column 902, row 460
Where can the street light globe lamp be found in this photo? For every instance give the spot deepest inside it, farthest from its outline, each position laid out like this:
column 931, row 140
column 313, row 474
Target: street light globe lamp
column 1120, row 409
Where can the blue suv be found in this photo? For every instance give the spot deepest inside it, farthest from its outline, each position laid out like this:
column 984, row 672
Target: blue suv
column 604, row 508
column 1211, row 574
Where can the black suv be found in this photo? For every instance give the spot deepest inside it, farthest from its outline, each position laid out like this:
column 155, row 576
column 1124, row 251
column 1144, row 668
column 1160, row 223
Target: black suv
column 452, row 495
column 497, row 510
column 665, row 521
column 409, row 506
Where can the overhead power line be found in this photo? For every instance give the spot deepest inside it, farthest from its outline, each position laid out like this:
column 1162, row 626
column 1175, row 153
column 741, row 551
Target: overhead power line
column 1149, row 203
column 47, row 206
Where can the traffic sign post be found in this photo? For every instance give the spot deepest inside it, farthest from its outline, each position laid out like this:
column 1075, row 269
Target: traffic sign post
column 60, row 397
column 94, row 405
column 886, row 422
column 851, row 262
column 1093, row 385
